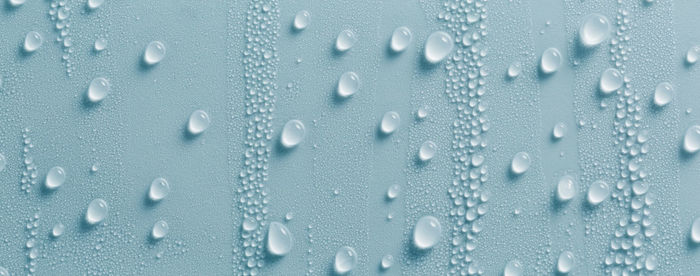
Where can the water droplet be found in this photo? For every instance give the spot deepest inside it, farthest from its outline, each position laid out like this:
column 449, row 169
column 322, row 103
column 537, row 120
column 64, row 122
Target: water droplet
column 393, row 191
column 594, row 30
column 55, row 178
column 97, row 211
column 16, row 3
column 513, row 268
column 566, row 188
column 598, row 192
column 422, row 112
column 346, row 39
column 691, row 140
column 3, row 162
column 4, row 272
column 159, row 189
column 302, row 20
column 100, row 44
column 32, row 42
column 565, row 262
column 249, row 224
column 427, row 232
column 610, row 81
column 154, row 53
column 400, row 39
column 279, row 239
column 293, row 133
column 345, row 260
column 438, row 45
column 559, row 130
column 387, row 261
column 390, row 122
column 663, row 94
column 520, row 163
column 160, row 230
column 98, row 89
column 695, row 231
column 289, row 216
column 58, row 230
column 651, row 263
column 94, row 4
column 515, row 69
column 427, row 151
column 348, row 84
column 199, row 122
column 693, row 54
column 550, row 61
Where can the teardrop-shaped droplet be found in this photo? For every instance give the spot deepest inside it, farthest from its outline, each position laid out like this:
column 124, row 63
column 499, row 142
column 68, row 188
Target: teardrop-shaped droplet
column 348, row 84
column 514, row 69
column 55, row 178
column 559, row 130
column 302, row 20
column 610, row 81
column 199, row 122
column 520, row 163
column 279, row 239
column 97, row 211
column 427, row 232
column 566, row 188
column 598, row 192
column 390, row 122
column 345, row 260
column 513, row 268
column 94, row 4
column 159, row 189
column 154, row 53
column 693, row 54
column 160, row 230
column 346, row 39
column 387, row 261
column 393, row 191
column 400, row 39
column 32, row 42
column 293, row 133
column 550, row 61
column 98, row 90
column 438, row 45
column 594, row 30
column 565, row 262
column 58, row 230
column 691, row 139
column 695, row 231
column 427, row 151
column 663, row 94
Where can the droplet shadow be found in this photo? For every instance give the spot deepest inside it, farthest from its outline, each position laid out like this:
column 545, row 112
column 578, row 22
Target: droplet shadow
column 280, row 149
column 188, row 136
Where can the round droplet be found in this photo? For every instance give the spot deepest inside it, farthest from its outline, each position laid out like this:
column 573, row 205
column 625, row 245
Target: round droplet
column 3, row 162
column 598, row 192
column 387, row 261
column 566, row 188
column 16, row 3
column 550, row 61
column 693, row 54
column 279, row 239
column 393, row 191
column 32, row 42
column 98, row 89
column 520, row 163
column 160, row 230
column 199, row 122
column 514, row 69
column 427, row 232
column 293, row 133
column 691, row 140
column 513, row 268
column 610, row 81
column 154, row 53
column 58, row 230
column 390, row 122
column 97, row 211
column 302, row 20
column 559, row 130
column 695, row 231
column 159, row 189
column 345, row 260
column 438, row 45
column 427, row 151
column 94, row 4
column 594, row 30
column 55, row 178
column 422, row 112
column 346, row 39
column 348, row 84
column 565, row 262
column 100, row 44
column 651, row 263
column 663, row 94
column 400, row 39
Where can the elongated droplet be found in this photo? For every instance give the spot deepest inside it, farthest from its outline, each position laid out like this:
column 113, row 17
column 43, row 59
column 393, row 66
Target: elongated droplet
column 154, row 53
column 3, row 162
column 566, row 188
column 279, row 239
column 550, row 61
column 400, row 39
column 346, row 39
column 160, row 230
column 100, row 44
column 565, row 262
column 594, row 30
column 32, row 42
column 693, row 54
column 348, row 84
column 58, row 230
column 427, row 151
column 387, row 261
column 427, row 232
column 514, row 69
column 159, row 189
column 695, row 231
column 390, row 122
column 663, row 94
column 520, row 163
column 293, row 133
column 393, row 191
column 345, row 260
column 97, row 211
column 94, row 4
column 598, row 192
column 559, row 130
column 513, row 268
column 691, row 140
column 610, row 81
column 438, row 45
column 199, row 122
column 98, row 90
column 55, row 178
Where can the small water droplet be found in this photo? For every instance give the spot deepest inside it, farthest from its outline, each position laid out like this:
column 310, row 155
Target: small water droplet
column 154, row 53
column 293, row 133
column 279, row 239
column 160, row 230
column 513, row 268
column 565, row 262
column 100, row 44
column 610, row 81
column 559, row 130
column 695, row 231
column 663, row 94
column 691, row 140
column 693, row 54
column 651, row 263
column 94, row 4
column 393, row 191
column 387, row 261
column 249, row 224
column 427, row 232
column 58, row 230
column 390, row 122
column 566, row 188
column 99, row 89
column 159, row 189
column 348, row 84
column 346, row 39
column 289, row 216
column 594, row 30
column 97, row 211
column 32, row 42
column 515, row 69
column 199, row 122
column 550, row 61
column 345, row 260
column 520, row 163
column 438, row 45
column 400, row 39
column 302, row 20
column 422, row 112
column 427, row 151
column 598, row 192
column 55, row 178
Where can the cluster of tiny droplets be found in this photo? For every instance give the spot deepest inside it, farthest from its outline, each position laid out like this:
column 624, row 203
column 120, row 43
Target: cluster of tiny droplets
column 60, row 16
column 31, row 244
column 464, row 87
column 29, row 171
column 626, row 255
column 260, row 63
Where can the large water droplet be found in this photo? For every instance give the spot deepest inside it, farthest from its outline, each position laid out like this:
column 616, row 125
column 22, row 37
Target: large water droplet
column 387, row 261
column 393, row 191
column 293, row 133
column 98, row 89
column 427, row 151
column 348, row 84
column 550, row 61
column 663, row 94
column 610, row 81
column 565, row 262
column 427, row 232
column 100, row 44
column 513, row 268
column 566, row 188
column 651, row 263
column 302, row 20
column 199, row 122
column 3, row 162
column 16, row 3
column 390, row 122
column 695, row 231
column 514, row 69
column 559, row 130
column 32, row 42
column 160, row 230
column 94, row 4
column 400, row 39
column 346, row 39
column 154, row 53
column 691, row 140
column 520, row 163
column 345, row 260
column 58, row 230
column 693, row 54
column 97, row 211
column 438, row 45
column 594, row 30
column 279, row 239
column 55, row 178
column 159, row 189
column 598, row 192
